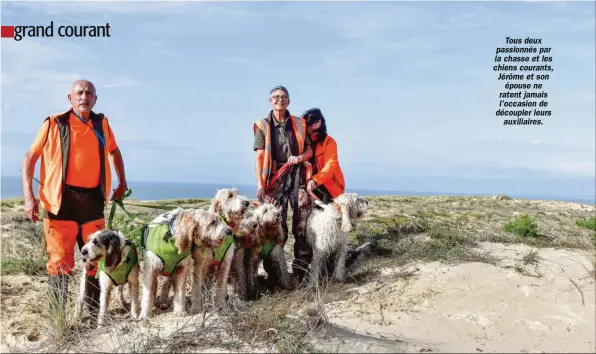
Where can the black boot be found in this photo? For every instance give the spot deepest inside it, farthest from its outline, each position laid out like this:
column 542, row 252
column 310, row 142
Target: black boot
column 92, row 292
column 58, row 296
column 272, row 273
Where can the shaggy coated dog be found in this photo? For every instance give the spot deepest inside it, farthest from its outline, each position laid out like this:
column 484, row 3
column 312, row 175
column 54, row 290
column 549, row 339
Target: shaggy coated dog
column 118, row 265
column 327, row 233
column 213, row 260
column 268, row 237
column 190, row 227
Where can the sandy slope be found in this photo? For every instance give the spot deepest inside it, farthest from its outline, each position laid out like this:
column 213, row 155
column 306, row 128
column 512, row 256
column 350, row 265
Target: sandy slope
column 471, row 307
column 479, row 307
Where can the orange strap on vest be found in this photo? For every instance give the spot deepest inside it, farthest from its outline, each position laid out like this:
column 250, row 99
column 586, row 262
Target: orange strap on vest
column 299, row 125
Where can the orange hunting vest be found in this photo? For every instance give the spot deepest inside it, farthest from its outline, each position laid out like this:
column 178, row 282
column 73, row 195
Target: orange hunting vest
column 54, row 160
column 299, row 125
column 332, row 178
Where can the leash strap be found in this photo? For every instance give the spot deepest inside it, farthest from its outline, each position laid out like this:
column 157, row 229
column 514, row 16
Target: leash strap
column 132, row 217
column 119, row 203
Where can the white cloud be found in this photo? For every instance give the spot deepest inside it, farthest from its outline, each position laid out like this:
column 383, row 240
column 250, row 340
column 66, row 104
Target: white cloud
column 157, row 48
column 134, row 8
column 243, row 60
column 575, row 168
column 344, row 63
column 123, row 82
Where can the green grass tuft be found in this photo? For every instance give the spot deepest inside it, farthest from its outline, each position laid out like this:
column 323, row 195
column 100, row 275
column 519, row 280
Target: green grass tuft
column 523, row 226
column 587, row 223
column 27, row 266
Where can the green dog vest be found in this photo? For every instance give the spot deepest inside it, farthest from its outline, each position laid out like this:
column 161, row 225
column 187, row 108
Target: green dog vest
column 159, row 240
column 220, row 252
column 266, row 248
column 119, row 275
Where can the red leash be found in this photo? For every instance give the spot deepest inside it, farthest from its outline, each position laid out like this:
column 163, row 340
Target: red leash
column 278, row 175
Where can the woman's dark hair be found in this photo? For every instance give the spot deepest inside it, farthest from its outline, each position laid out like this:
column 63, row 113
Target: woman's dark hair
column 313, row 116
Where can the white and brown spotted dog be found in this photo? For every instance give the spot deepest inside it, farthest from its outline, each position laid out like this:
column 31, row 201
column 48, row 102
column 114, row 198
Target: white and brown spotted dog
column 231, row 206
column 327, row 233
column 118, row 255
column 268, row 235
column 190, row 227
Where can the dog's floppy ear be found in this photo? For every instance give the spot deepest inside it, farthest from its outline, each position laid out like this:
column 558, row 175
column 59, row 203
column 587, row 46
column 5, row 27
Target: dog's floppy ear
column 185, row 228
column 215, row 206
column 114, row 255
column 346, row 224
column 279, row 234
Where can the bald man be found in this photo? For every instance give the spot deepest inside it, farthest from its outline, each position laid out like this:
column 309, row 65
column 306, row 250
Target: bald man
column 76, row 147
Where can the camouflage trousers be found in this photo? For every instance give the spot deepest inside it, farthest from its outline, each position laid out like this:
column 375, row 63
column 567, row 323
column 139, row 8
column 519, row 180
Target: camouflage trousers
column 293, row 193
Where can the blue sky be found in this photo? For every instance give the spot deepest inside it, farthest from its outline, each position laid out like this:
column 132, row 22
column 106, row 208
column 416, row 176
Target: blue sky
column 407, row 88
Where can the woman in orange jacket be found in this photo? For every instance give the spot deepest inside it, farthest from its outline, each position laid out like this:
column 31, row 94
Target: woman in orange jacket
column 327, row 180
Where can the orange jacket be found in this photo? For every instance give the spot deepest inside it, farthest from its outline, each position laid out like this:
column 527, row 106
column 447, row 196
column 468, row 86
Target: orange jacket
column 54, row 159
column 299, row 125
column 329, row 172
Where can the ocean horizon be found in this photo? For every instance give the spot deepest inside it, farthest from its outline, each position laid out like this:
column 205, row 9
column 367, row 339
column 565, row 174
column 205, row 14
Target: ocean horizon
column 11, row 187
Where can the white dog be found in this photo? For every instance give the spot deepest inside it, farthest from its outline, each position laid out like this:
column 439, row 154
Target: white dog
column 118, row 264
column 327, row 233
column 168, row 241
column 215, row 259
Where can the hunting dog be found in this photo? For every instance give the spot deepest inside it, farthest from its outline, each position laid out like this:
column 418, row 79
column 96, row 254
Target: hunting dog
column 327, row 233
column 118, row 264
column 267, row 242
column 186, row 228
column 213, row 261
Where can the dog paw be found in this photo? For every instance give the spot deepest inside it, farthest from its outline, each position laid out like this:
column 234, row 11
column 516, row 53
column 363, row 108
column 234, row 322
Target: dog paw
column 179, row 311
column 162, row 305
column 194, row 309
column 144, row 317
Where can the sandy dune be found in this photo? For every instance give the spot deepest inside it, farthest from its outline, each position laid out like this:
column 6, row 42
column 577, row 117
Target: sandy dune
column 530, row 299
column 477, row 306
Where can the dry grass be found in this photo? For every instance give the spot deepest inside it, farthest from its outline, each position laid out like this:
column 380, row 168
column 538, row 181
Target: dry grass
column 407, row 229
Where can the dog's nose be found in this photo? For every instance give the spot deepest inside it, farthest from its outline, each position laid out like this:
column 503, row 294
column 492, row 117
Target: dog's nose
column 228, row 232
column 84, row 252
column 246, row 203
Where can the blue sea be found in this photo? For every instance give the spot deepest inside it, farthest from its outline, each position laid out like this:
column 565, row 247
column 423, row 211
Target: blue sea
column 11, row 188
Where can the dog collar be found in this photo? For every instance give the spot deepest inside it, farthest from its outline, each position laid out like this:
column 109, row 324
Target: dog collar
column 337, row 207
column 228, row 222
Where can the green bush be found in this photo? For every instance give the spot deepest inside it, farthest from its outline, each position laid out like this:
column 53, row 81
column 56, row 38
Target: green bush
column 132, row 230
column 588, row 223
column 27, row 266
column 523, row 226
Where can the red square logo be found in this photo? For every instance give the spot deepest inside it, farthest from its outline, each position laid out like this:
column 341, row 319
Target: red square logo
column 7, row 32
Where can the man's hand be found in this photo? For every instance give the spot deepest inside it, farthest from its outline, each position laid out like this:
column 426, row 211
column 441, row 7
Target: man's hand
column 118, row 192
column 261, row 194
column 294, row 160
column 311, row 186
column 32, row 208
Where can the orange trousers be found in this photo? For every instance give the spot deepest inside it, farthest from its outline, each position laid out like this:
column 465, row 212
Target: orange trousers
column 61, row 238
column 80, row 215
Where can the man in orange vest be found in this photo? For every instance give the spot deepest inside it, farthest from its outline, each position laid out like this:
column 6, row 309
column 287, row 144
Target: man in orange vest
column 327, row 181
column 75, row 147
column 280, row 138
